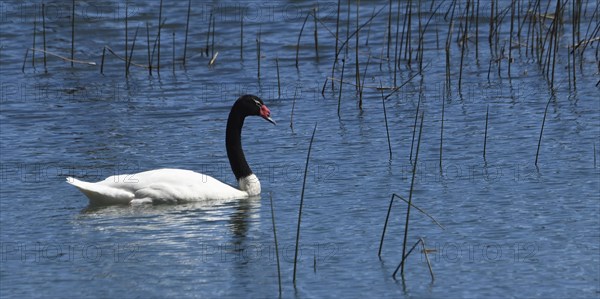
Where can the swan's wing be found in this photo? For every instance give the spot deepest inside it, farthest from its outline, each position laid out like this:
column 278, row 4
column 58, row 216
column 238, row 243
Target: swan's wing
column 179, row 185
column 161, row 185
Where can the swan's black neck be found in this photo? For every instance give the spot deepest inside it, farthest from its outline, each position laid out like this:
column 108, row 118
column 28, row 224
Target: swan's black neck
column 233, row 143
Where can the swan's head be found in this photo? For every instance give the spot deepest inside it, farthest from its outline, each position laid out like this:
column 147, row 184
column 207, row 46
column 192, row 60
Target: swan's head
column 253, row 105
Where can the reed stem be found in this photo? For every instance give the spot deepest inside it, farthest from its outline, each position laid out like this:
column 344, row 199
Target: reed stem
column 212, row 37
column 126, row 39
column 396, row 49
column 292, row 113
column 33, row 44
column 510, row 36
column 442, row 131
column 102, row 62
column 412, row 143
column 299, row 36
column 208, row 33
column 242, row 38
column 187, row 27
column 337, row 33
column 387, row 217
column 158, row 37
column 67, row 59
column 148, row 48
column 356, row 59
column 408, row 32
column 486, row 130
column 72, row 33
column 427, row 259
column 276, row 243
column 337, row 30
column 387, row 130
column 401, row 265
column 132, row 47
column 463, row 46
column 316, row 33
column 341, row 85
column 542, row 131
column 412, row 184
column 302, row 202
column 173, row 52
column 258, row 53
column 278, row 78
column 25, row 60
column 477, row 34
column 362, row 84
column 389, row 28
column 44, row 33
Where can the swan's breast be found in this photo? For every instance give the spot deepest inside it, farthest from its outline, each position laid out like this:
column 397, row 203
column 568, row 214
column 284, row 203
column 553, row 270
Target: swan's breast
column 250, row 184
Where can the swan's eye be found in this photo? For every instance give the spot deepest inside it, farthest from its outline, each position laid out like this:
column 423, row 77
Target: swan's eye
column 257, row 103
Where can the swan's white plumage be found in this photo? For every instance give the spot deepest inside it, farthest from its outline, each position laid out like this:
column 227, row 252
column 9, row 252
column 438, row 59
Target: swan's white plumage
column 164, row 186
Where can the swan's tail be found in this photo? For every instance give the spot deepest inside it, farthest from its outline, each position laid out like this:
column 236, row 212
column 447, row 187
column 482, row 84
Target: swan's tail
column 99, row 193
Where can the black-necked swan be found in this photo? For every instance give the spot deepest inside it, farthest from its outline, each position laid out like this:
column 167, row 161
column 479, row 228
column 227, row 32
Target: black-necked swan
column 179, row 185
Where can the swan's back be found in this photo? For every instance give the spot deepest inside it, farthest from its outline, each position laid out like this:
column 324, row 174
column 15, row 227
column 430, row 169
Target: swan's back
column 157, row 186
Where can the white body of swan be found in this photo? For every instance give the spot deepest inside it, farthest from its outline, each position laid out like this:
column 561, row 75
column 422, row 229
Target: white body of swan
column 179, row 185
column 164, row 186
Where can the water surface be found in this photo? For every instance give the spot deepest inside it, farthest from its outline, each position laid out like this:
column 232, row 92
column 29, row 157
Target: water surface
column 512, row 229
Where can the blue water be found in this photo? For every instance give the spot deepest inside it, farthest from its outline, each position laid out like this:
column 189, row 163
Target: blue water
column 511, row 228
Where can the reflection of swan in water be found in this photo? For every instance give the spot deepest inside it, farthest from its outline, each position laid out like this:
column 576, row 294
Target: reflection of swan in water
column 204, row 221
column 179, row 185
column 207, row 244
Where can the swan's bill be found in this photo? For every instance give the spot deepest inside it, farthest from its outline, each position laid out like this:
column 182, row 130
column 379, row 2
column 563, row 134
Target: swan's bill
column 266, row 114
column 269, row 119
